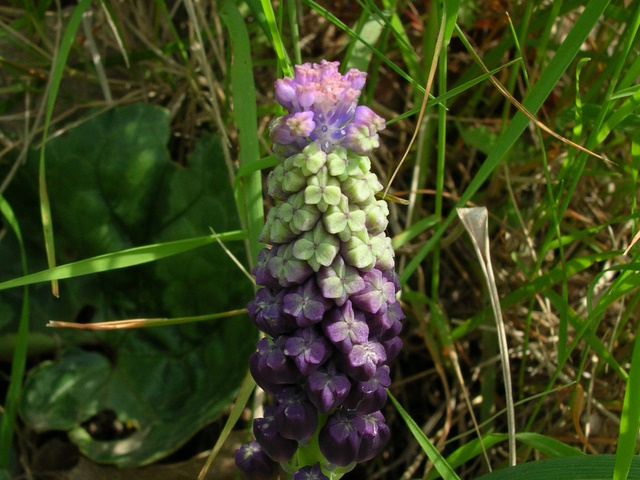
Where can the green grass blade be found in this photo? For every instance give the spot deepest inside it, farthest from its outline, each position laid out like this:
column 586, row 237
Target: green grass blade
column 19, row 360
column 438, row 461
column 122, row 259
column 540, row 284
column 451, row 9
column 358, row 55
column 548, row 446
column 630, row 419
column 336, row 21
column 245, row 113
column 453, row 92
column 587, row 467
column 241, row 400
column 145, row 322
column 57, row 71
column 556, row 68
column 276, row 38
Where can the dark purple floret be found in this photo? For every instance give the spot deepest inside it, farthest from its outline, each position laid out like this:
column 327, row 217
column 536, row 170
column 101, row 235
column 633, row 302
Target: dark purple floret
column 370, row 396
column 310, row 473
column 275, row 445
column 384, row 326
column 374, row 437
column 309, row 349
column 363, row 360
column 392, row 348
column 266, row 312
column 306, row 304
column 295, row 416
column 340, row 437
column 345, row 327
column 327, row 387
column 261, row 270
column 254, row 463
column 377, row 293
column 270, row 366
column 392, row 276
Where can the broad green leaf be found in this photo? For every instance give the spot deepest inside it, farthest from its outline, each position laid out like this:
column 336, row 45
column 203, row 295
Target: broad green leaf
column 117, row 197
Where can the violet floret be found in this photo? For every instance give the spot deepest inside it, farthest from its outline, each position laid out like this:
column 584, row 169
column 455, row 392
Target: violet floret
column 340, row 437
column 338, row 281
column 271, row 366
column 327, row 387
column 254, row 463
column 309, row 349
column 306, row 304
column 279, row 448
column 345, row 327
column 310, row 473
column 374, row 436
column 371, row 395
column 295, row 416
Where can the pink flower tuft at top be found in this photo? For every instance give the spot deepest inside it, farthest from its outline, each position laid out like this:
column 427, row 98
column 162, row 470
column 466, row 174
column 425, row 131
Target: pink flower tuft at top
column 323, row 106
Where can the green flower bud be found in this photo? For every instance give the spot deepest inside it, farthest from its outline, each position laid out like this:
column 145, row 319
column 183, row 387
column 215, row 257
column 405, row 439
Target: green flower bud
column 358, row 252
column 376, row 213
column 311, row 160
column 322, row 190
column 274, row 183
column 317, row 247
column 382, row 251
column 337, row 161
column 265, row 234
column 304, row 216
column 352, row 168
column 293, row 180
column 357, row 189
column 280, row 231
column 342, row 219
column 363, row 162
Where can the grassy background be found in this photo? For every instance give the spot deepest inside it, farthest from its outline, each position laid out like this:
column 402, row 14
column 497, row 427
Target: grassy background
column 560, row 218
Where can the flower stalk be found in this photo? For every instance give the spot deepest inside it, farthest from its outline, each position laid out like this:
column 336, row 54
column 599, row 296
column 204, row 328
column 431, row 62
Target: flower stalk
column 327, row 302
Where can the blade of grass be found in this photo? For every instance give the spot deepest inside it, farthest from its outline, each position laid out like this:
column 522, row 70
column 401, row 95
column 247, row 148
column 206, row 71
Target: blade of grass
column 563, row 322
column 430, row 76
column 596, row 135
column 276, row 38
column 144, row 322
column 241, row 400
column 549, row 78
column 57, row 70
column 630, row 419
column 122, row 259
column 336, row 21
column 250, row 203
column 454, row 91
column 438, row 460
column 592, row 467
column 19, row 360
column 358, row 55
column 292, row 14
column 547, row 445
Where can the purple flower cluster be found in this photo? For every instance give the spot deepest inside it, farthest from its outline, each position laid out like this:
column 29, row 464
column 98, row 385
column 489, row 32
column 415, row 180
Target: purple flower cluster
column 327, row 301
